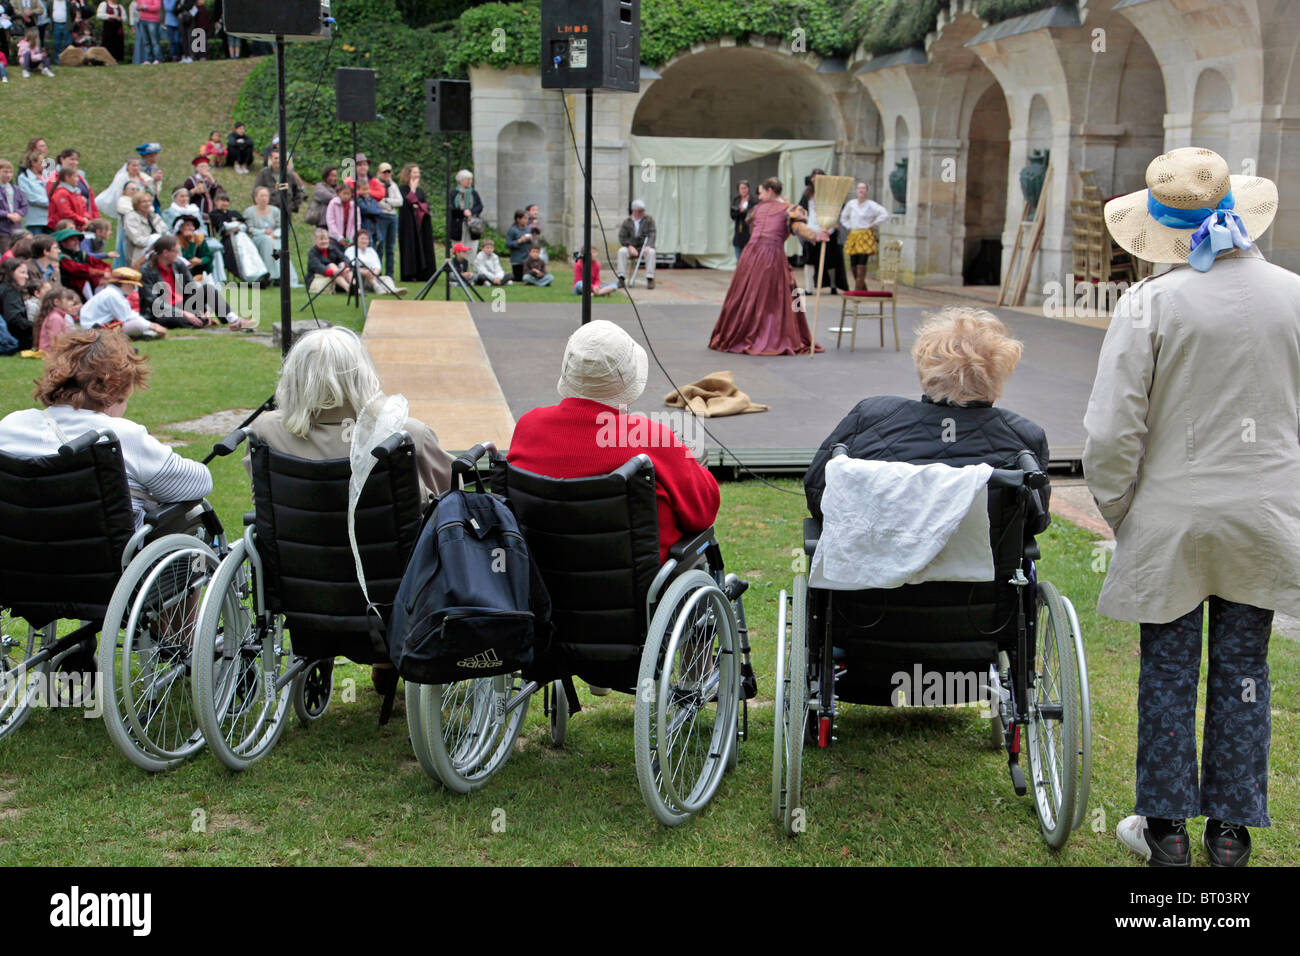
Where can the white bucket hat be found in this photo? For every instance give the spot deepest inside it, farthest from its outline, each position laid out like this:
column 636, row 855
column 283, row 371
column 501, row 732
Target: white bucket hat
column 1191, row 210
column 602, row 363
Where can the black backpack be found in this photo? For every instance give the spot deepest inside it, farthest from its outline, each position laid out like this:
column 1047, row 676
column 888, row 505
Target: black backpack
column 471, row 603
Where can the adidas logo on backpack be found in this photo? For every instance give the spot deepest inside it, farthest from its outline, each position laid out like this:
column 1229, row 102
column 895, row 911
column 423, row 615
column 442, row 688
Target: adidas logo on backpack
column 487, row 658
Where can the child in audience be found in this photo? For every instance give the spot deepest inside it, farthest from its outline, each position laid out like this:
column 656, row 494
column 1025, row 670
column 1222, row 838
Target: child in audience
column 535, row 269
column 31, row 56
column 96, row 241
column 487, row 266
column 596, row 287
column 460, row 261
column 56, row 316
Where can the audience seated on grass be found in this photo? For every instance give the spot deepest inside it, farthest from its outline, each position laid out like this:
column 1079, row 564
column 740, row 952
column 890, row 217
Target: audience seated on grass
column 89, row 377
column 372, row 271
column 170, row 295
column 326, row 265
column 112, row 305
column 16, row 333
column 487, row 266
column 140, row 225
column 56, row 317
column 328, row 390
column 76, row 269
column 963, row 358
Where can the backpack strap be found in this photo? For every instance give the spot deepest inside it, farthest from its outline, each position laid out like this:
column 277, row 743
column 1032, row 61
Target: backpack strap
column 571, row 692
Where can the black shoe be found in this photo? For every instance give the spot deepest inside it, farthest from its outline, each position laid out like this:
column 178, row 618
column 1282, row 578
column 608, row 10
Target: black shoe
column 649, row 283
column 1159, row 842
column 622, row 282
column 1227, row 843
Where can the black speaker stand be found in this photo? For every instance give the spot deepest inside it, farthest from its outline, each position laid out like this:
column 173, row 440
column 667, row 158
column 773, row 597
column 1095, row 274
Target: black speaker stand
column 452, row 276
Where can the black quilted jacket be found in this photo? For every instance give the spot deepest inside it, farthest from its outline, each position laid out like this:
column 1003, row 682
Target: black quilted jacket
column 892, row 428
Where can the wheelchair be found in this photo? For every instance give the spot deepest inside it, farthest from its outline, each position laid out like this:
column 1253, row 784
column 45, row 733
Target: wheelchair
column 285, row 600
column 1020, row 631
column 674, row 636
column 70, row 552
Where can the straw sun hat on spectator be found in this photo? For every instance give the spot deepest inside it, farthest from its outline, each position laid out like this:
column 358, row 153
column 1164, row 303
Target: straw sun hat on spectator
column 602, row 363
column 1191, row 199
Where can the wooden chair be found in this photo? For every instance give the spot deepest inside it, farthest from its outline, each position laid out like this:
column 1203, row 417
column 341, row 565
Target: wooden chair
column 855, row 304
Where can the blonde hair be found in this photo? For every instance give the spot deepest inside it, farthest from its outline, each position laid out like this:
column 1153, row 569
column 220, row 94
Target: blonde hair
column 964, row 355
column 326, row 368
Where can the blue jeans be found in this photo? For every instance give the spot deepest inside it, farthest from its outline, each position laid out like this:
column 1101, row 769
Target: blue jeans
column 152, row 47
column 530, row 279
column 385, row 238
column 175, row 48
column 60, row 39
column 137, row 56
column 1233, row 778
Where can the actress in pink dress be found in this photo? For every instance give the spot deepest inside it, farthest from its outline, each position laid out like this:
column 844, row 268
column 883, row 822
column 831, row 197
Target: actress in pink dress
column 758, row 316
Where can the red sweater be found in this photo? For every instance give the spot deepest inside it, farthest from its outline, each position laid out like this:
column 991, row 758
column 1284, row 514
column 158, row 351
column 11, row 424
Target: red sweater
column 566, row 441
column 68, row 204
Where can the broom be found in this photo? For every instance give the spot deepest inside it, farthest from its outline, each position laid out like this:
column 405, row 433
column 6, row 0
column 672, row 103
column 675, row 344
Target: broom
column 829, row 194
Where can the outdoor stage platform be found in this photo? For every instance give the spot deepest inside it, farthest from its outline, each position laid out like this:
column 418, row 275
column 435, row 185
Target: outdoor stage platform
column 471, row 379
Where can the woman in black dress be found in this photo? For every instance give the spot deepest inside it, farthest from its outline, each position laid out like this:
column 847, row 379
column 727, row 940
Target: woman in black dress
column 414, row 228
column 740, row 207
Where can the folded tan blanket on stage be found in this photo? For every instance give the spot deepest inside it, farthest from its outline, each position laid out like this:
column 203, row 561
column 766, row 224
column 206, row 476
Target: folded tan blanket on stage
column 714, row 396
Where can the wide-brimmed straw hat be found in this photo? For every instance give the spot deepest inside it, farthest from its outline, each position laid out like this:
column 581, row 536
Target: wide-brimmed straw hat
column 602, row 363
column 125, row 275
column 1191, row 198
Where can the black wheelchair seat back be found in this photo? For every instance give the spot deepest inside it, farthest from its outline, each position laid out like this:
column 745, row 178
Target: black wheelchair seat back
column 65, row 521
column 596, row 542
column 301, row 521
column 950, row 626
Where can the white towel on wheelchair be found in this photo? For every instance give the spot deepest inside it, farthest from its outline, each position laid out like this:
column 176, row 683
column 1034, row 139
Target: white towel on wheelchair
column 890, row 523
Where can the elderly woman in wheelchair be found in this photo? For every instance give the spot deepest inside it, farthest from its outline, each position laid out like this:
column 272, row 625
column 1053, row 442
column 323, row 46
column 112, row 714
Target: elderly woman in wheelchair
column 922, row 566
column 91, row 506
column 340, row 475
column 618, row 521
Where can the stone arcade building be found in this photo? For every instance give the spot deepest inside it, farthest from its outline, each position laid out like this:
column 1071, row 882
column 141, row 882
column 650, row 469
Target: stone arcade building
column 1103, row 85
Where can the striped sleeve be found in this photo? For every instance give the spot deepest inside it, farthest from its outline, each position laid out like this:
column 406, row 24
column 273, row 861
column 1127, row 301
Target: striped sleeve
column 159, row 471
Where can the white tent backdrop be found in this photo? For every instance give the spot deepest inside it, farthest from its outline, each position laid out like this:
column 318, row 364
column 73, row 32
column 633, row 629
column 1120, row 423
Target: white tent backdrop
column 685, row 182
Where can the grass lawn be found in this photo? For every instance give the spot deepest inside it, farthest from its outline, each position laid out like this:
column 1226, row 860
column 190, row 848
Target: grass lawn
column 899, row 787
column 914, row 787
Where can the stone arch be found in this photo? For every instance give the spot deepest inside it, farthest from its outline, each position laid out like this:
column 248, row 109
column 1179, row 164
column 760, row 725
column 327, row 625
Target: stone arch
column 711, row 92
column 1140, row 113
column 1212, row 104
column 1039, row 133
column 522, row 175
column 989, row 125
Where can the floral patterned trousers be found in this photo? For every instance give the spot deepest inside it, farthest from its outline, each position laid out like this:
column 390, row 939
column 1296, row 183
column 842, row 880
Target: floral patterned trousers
column 1233, row 783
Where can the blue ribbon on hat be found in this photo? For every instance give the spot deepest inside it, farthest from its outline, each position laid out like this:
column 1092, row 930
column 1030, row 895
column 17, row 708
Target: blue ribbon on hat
column 1222, row 226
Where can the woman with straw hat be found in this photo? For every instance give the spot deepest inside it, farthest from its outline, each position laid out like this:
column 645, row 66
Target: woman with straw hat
column 1193, row 459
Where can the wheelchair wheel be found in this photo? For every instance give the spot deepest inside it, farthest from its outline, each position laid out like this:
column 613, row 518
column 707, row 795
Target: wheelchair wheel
column 313, row 689
column 1085, row 716
column 240, row 694
column 687, row 698
column 795, row 714
column 777, row 804
column 559, row 714
column 1054, row 720
column 145, row 652
column 467, row 730
column 415, row 727
column 20, row 683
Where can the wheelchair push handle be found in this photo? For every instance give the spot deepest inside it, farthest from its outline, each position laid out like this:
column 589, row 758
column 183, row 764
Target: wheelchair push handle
column 388, row 447
column 82, row 442
column 1035, row 477
column 227, row 445
column 468, row 461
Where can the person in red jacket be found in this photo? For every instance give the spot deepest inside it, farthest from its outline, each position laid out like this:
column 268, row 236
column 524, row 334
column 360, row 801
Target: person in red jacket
column 591, row 432
column 71, row 159
column 66, row 202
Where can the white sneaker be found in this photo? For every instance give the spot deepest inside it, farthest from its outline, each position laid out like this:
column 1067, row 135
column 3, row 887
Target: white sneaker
column 47, row 71
column 26, row 75
column 1173, row 850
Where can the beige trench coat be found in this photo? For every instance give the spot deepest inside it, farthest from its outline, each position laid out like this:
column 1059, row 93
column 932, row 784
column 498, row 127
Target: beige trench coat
column 1193, row 450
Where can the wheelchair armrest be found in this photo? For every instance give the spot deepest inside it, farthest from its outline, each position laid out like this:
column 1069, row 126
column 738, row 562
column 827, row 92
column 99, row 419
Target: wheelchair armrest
column 171, row 518
column 688, row 551
column 812, row 532
column 1032, row 551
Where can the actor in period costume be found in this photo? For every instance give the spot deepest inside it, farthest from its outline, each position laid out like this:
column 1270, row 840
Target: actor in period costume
column 860, row 217
column 414, row 228
column 759, row 316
